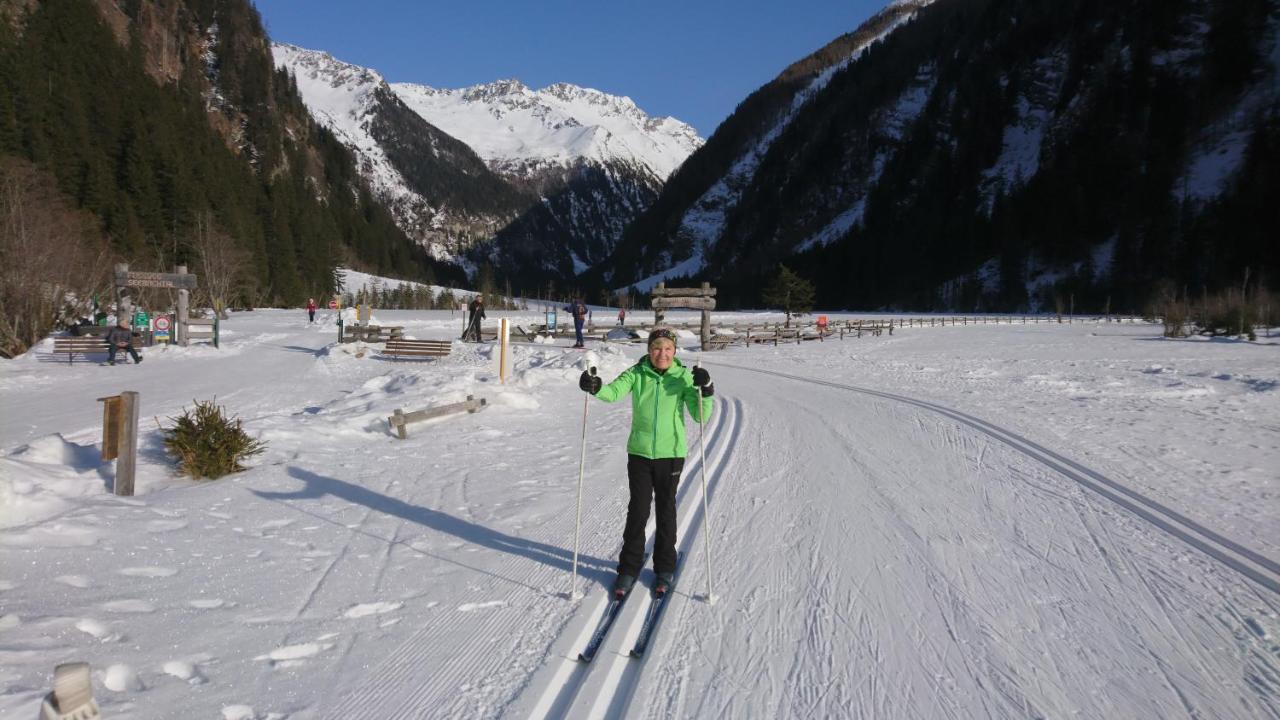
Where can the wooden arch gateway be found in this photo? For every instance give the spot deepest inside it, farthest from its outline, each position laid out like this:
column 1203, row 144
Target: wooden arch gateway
column 181, row 280
column 703, row 298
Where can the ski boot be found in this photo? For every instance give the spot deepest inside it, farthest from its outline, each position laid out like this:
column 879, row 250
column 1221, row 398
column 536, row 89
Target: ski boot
column 663, row 583
column 623, row 585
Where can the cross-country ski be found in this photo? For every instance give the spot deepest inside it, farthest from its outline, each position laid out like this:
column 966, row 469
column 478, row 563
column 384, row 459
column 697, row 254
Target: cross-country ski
column 611, row 611
column 661, row 595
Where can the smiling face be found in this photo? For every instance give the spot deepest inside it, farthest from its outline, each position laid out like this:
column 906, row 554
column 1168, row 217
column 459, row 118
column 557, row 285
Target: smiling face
column 661, row 353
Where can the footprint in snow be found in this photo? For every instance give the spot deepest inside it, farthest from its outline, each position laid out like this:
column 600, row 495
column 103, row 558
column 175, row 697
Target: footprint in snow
column 291, row 655
column 207, row 603
column 122, row 678
column 129, row 606
column 468, row 607
column 97, row 629
column 377, row 608
column 149, row 572
column 159, row 526
column 238, row 712
column 276, row 524
column 74, row 580
column 184, row 670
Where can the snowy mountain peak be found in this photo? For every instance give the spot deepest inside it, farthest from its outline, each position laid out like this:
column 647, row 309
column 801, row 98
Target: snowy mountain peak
column 320, row 64
column 518, row 130
column 496, row 91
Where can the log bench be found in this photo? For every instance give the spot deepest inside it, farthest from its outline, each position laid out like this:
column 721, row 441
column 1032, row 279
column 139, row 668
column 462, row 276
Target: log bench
column 74, row 345
column 417, row 348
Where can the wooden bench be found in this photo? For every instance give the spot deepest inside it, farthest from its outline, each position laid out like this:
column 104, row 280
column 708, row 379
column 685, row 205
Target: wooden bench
column 417, row 348
column 74, row 345
column 372, row 333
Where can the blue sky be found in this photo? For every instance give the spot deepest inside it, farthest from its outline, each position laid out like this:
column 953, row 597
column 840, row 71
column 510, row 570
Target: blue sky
column 694, row 60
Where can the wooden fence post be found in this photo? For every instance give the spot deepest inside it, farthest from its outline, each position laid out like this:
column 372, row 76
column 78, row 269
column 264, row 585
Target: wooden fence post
column 127, row 460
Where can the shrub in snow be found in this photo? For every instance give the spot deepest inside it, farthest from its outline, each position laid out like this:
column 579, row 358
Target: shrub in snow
column 1229, row 313
column 207, row 443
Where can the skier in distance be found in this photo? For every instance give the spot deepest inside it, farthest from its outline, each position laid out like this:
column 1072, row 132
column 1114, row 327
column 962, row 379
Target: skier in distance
column 662, row 389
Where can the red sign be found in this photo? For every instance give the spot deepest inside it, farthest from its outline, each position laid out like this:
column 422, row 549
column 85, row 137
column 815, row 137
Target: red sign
column 333, row 304
column 162, row 323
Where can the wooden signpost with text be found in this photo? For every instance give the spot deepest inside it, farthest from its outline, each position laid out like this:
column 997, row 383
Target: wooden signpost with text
column 703, row 298
column 181, row 280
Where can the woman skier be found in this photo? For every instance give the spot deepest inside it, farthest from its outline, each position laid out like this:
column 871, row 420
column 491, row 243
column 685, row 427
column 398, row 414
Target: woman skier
column 662, row 389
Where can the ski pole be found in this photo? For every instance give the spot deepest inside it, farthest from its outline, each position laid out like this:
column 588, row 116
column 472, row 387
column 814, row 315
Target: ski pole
column 582, row 463
column 706, row 512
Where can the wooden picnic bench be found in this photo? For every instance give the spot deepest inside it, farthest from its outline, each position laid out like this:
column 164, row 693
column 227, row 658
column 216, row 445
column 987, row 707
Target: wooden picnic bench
column 74, row 345
column 417, row 348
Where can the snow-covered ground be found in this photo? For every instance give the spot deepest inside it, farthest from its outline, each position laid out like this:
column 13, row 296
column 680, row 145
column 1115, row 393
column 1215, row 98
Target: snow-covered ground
column 978, row 521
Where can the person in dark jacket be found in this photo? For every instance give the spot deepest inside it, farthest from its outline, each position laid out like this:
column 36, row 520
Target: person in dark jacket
column 476, row 308
column 119, row 338
column 662, row 390
column 578, row 309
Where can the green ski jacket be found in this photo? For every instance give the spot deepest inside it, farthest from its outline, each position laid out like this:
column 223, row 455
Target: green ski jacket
column 657, row 404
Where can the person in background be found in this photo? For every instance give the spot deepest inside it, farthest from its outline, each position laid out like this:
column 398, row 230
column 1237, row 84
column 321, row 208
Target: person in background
column 622, row 316
column 119, row 338
column 662, row 390
column 473, row 323
column 311, row 310
column 578, row 309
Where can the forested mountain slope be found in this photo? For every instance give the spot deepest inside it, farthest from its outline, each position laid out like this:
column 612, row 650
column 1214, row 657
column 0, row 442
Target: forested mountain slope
column 991, row 154
column 168, row 124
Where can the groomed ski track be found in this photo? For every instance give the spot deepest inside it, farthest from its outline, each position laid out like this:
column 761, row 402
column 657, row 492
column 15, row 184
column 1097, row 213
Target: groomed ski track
column 967, row 570
column 876, row 555
column 606, row 686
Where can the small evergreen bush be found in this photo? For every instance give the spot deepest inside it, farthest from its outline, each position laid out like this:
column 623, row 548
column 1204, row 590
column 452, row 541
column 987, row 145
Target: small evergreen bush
column 207, row 443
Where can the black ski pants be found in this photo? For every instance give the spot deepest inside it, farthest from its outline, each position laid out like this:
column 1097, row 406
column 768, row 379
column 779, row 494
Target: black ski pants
column 654, row 480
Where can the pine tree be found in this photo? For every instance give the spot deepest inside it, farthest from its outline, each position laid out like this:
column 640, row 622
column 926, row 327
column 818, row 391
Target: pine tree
column 790, row 292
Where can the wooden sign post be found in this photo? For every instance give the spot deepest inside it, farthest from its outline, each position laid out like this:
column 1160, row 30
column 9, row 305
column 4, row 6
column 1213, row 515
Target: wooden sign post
column 179, row 279
column 120, row 437
column 504, row 343
column 702, row 298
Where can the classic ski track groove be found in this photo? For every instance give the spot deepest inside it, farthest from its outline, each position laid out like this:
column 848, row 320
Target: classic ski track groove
column 404, row 684
column 1249, row 563
column 606, row 686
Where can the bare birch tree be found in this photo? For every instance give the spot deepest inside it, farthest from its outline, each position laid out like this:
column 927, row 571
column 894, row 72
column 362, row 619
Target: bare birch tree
column 223, row 265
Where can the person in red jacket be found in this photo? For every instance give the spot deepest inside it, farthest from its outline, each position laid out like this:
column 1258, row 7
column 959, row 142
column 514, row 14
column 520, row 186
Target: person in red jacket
column 311, row 310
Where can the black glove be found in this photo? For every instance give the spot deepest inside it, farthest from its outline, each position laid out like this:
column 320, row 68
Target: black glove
column 590, row 382
column 701, row 377
column 708, row 390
